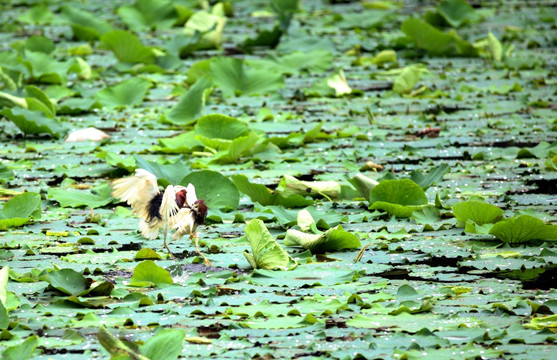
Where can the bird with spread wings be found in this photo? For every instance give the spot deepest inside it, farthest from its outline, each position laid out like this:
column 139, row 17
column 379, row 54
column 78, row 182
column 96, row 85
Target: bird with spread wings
column 176, row 208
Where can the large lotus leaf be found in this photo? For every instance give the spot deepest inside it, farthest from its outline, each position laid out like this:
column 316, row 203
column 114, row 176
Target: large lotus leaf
column 217, row 126
column 166, row 174
column 44, row 68
column 232, row 77
column 456, row 12
column 266, row 253
column 477, row 211
column 39, row 14
column 127, row 47
column 523, row 228
column 191, row 105
column 148, row 274
column 36, row 94
column 315, row 61
column 166, row 344
column 20, row 209
column 398, row 197
column 34, row 122
column 146, row 14
column 127, row 93
column 96, row 197
column 436, row 42
column 85, row 25
column 68, row 281
column 215, row 189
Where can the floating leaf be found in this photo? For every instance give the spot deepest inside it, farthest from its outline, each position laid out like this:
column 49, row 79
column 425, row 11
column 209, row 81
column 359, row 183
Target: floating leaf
column 523, row 228
column 232, row 76
column 149, row 274
column 85, row 25
column 97, row 197
column 398, row 197
column 127, row 93
column 266, row 253
column 127, row 47
column 147, row 14
column 435, row 42
column 34, row 122
column 166, row 173
column 215, row 189
column 477, row 211
column 20, row 209
column 456, row 12
column 68, row 281
column 190, row 107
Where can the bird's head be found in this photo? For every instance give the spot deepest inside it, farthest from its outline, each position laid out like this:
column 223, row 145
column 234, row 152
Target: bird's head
column 200, row 211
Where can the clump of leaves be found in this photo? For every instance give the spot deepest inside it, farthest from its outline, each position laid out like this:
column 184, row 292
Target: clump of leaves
column 266, row 252
column 310, row 238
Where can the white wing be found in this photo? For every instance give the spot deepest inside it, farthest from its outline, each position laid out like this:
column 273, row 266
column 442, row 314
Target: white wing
column 191, row 197
column 183, row 222
column 137, row 191
column 169, row 207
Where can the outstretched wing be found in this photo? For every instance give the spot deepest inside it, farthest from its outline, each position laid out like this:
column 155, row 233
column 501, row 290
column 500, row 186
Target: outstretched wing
column 169, row 207
column 191, row 197
column 137, row 191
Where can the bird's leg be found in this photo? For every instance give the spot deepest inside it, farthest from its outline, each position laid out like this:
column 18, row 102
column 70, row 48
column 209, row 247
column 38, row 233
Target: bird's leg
column 205, row 260
column 165, row 245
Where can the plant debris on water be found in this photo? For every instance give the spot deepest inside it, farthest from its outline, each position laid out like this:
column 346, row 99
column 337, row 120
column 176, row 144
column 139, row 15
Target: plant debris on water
column 380, row 177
